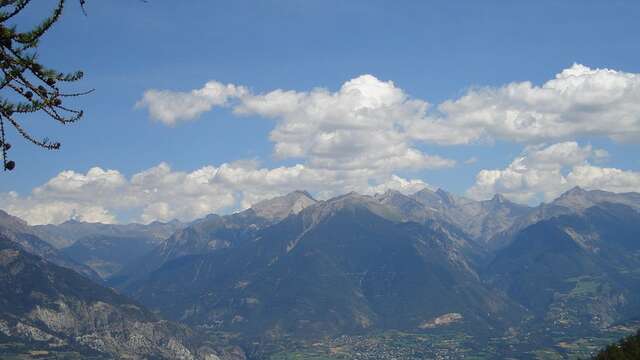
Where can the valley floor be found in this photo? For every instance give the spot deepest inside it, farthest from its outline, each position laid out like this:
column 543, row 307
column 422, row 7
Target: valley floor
column 442, row 345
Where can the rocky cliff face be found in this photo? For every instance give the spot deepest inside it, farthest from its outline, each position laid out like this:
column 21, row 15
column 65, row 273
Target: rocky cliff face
column 52, row 307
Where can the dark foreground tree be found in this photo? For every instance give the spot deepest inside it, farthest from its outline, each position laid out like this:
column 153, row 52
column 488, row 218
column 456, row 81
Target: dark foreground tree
column 27, row 86
column 626, row 349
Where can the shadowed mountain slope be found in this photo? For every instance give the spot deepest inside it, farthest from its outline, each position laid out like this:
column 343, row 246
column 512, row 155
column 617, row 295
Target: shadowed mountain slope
column 577, row 270
column 67, row 233
column 215, row 232
column 344, row 265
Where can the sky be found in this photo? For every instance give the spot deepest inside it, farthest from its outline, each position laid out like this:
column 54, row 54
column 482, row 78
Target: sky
column 209, row 106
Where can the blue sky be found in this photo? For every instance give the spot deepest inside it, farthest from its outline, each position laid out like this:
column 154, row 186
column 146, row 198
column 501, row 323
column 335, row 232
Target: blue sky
column 432, row 51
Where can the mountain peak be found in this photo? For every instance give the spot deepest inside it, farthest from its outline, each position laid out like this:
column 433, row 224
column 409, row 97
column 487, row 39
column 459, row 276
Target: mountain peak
column 282, row 206
column 350, row 198
column 7, row 219
column 426, row 190
column 576, row 198
column 499, row 198
column 428, row 197
column 576, row 190
column 353, row 200
column 397, row 199
column 304, row 193
column 446, row 196
column 72, row 222
column 389, row 194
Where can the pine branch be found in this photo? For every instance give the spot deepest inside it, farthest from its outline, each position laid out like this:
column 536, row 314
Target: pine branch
column 26, row 85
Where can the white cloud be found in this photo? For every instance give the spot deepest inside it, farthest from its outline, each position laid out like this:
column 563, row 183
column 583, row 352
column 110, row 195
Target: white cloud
column 399, row 184
column 544, row 172
column 611, row 179
column 366, row 112
column 471, row 160
column 40, row 211
column 578, row 101
column 170, row 107
column 362, row 125
column 356, row 139
column 160, row 193
column 70, row 183
column 99, row 195
column 353, row 139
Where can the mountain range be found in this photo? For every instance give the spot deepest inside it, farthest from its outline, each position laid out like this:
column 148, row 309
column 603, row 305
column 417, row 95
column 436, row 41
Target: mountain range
column 294, row 267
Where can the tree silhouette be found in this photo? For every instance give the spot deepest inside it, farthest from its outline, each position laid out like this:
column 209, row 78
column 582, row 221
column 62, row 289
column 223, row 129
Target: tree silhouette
column 627, row 349
column 26, row 85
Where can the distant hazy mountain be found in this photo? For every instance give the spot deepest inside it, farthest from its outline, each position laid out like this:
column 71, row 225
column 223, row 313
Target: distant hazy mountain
column 578, row 270
column 343, row 265
column 108, row 255
column 67, row 233
column 481, row 219
column 103, row 249
column 43, row 306
column 18, row 231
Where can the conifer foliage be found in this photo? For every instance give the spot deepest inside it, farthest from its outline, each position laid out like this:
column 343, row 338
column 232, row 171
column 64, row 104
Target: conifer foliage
column 626, row 349
column 27, row 86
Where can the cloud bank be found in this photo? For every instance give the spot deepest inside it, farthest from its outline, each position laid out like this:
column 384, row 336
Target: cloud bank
column 544, row 172
column 160, row 193
column 359, row 138
column 578, row 101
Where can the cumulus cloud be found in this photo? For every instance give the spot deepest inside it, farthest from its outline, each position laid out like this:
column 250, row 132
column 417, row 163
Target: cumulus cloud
column 99, row 195
column 362, row 125
column 357, row 138
column 612, row 179
column 578, row 101
column 160, row 193
column 470, row 161
column 406, row 186
column 170, row 107
column 353, row 139
column 39, row 211
column 367, row 112
column 544, row 172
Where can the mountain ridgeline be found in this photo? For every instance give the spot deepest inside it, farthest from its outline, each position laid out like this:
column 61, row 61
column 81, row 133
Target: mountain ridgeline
column 294, row 267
